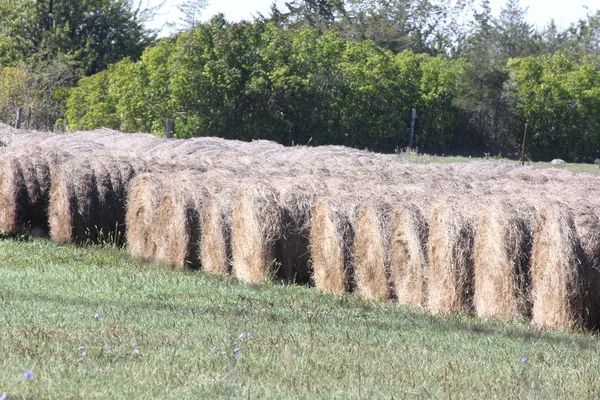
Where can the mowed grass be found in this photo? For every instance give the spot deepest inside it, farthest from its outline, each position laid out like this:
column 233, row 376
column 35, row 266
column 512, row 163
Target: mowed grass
column 90, row 323
column 417, row 158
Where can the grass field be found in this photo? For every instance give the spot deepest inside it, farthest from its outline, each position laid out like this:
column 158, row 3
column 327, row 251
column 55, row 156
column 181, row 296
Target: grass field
column 414, row 157
column 89, row 323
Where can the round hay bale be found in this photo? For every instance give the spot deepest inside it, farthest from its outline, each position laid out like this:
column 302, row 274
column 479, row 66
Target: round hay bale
column 178, row 221
column 88, row 198
column 450, row 254
column 256, row 224
column 331, row 244
column 409, row 235
column 372, row 249
column 502, row 253
column 25, row 176
column 215, row 233
column 141, row 214
column 557, row 267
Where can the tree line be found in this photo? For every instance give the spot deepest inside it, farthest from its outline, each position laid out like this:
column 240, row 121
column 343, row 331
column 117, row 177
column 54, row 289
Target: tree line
column 327, row 72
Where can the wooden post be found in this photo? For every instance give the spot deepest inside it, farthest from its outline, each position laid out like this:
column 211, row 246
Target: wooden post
column 170, row 128
column 523, row 146
column 412, row 128
column 19, row 118
column 28, row 118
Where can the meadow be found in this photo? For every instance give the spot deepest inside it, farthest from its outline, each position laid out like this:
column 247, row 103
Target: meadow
column 90, row 323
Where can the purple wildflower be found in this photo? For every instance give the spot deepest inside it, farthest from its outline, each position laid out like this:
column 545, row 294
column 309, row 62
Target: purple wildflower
column 523, row 359
column 81, row 348
column 97, row 315
column 237, row 356
column 236, row 349
column 135, row 352
column 4, row 396
column 109, row 351
column 28, row 374
column 214, row 348
column 83, row 354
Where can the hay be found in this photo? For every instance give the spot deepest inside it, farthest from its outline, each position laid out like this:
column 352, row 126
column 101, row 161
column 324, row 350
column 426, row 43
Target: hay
column 502, row 254
column 215, row 232
column 88, row 198
column 256, row 224
column 557, row 270
column 331, row 244
column 409, row 234
column 25, row 176
column 450, row 274
column 178, row 221
column 372, row 248
column 140, row 220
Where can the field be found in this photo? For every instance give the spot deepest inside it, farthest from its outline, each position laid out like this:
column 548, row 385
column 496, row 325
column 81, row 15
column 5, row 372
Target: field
column 302, row 343
column 209, row 267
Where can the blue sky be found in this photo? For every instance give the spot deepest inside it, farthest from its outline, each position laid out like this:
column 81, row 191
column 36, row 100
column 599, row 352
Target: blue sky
column 539, row 12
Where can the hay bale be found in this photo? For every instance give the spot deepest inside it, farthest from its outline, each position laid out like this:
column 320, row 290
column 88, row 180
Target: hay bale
column 502, row 253
column 215, row 232
column 25, row 176
column 88, row 198
column 178, row 221
column 450, row 254
column 332, row 230
column 372, row 248
column 142, row 206
column 256, row 224
column 409, row 235
column 557, row 270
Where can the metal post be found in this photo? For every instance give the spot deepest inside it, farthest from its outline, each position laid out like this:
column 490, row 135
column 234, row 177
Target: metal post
column 412, row 128
column 170, row 128
column 523, row 146
column 19, row 118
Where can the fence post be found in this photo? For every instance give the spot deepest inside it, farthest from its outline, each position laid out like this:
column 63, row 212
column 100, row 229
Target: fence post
column 170, row 128
column 523, row 147
column 412, row 128
column 19, row 118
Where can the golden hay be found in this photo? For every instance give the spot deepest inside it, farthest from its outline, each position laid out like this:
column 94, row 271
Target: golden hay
column 372, row 251
column 409, row 233
column 557, row 267
column 502, row 254
column 450, row 272
column 331, row 244
column 178, row 221
column 140, row 220
column 88, row 198
column 215, row 233
column 25, row 176
column 256, row 224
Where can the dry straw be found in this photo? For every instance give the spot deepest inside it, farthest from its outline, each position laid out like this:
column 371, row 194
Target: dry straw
column 409, row 233
column 141, row 214
column 372, row 250
column 557, row 270
column 450, row 254
column 178, row 221
column 501, row 259
column 256, row 224
column 88, row 198
column 333, row 225
column 25, row 176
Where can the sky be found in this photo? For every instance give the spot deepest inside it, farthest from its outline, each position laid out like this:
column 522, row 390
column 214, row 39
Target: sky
column 539, row 13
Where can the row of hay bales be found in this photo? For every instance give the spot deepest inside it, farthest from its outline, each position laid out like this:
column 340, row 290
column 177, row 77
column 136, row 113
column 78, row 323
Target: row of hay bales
column 486, row 238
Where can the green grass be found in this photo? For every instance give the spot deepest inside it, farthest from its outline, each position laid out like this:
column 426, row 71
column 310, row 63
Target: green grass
column 415, row 157
column 337, row 347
